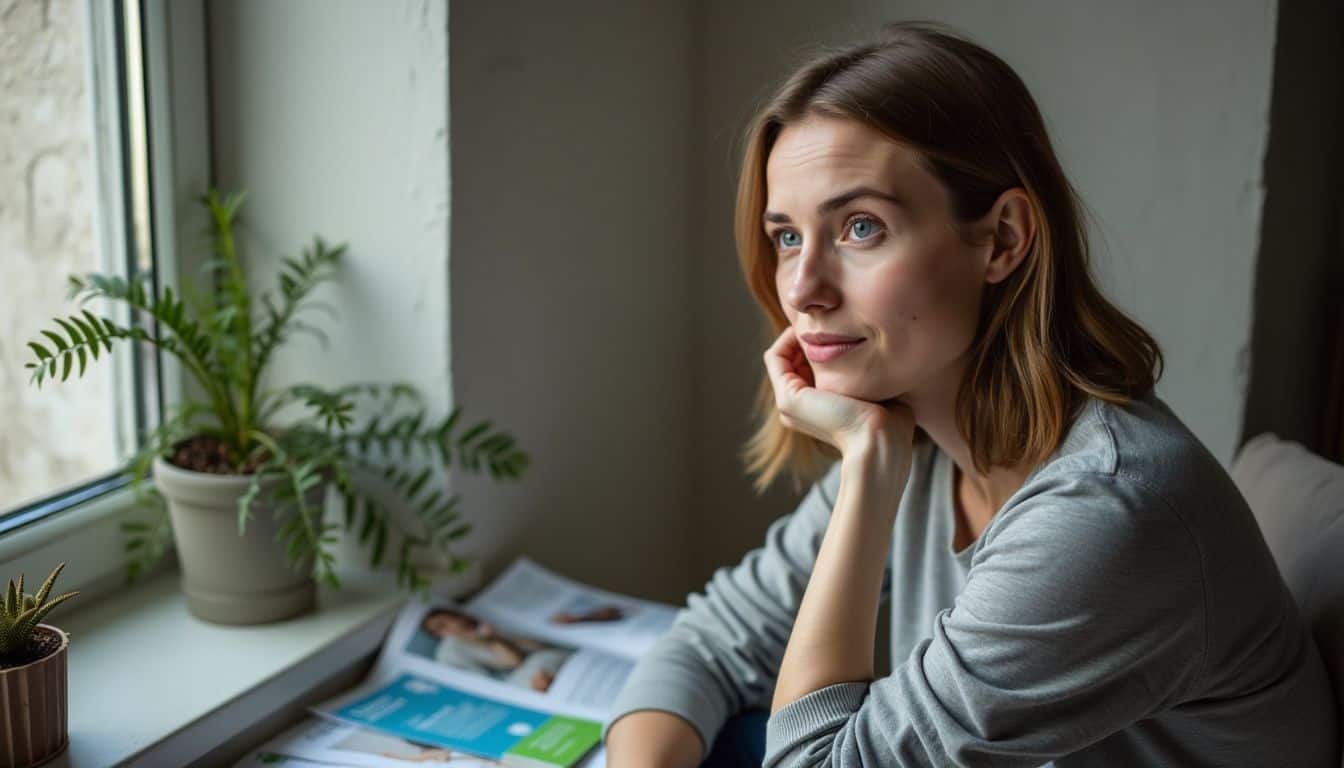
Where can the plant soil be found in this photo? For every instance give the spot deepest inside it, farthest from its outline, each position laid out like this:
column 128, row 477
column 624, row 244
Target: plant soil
column 206, row 453
column 41, row 644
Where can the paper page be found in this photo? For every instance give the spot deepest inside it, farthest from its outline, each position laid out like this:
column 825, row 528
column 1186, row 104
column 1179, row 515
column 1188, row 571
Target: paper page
column 269, row 759
column 451, row 644
column 319, row 741
column 554, row 608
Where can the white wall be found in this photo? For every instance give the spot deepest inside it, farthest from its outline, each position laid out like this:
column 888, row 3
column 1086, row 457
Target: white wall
column 1160, row 117
column 333, row 115
column 570, row 226
column 571, row 234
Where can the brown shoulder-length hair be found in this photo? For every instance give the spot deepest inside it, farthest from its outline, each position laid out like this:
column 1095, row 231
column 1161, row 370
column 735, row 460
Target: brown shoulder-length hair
column 1046, row 337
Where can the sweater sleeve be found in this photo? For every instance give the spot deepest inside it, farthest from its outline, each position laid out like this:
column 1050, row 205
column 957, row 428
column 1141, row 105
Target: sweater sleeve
column 722, row 653
column 1082, row 613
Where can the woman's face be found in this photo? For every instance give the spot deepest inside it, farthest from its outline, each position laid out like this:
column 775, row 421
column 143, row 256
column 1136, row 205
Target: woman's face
column 866, row 248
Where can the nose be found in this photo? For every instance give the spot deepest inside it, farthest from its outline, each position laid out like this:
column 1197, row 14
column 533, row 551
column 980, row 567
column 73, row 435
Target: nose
column 810, row 286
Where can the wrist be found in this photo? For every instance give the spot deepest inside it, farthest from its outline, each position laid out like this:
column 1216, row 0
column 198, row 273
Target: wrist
column 872, row 452
column 878, row 466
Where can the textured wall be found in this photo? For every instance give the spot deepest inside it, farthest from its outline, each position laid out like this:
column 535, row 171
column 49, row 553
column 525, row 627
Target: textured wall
column 334, row 118
column 571, row 242
column 63, row 433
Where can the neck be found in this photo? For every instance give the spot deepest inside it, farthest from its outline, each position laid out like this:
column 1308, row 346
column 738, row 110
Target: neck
column 934, row 408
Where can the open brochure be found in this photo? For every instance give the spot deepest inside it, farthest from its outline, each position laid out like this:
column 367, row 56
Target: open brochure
column 523, row 674
column 318, row 741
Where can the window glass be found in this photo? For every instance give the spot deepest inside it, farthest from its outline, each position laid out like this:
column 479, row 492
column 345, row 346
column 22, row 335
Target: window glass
column 56, row 212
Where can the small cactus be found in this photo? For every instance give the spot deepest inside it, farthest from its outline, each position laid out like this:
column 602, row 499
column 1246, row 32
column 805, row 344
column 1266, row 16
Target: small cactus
column 22, row 613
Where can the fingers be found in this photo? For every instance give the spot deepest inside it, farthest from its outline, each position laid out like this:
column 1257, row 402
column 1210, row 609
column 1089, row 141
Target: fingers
column 776, row 364
column 793, row 351
column 781, row 349
column 783, row 360
column 801, row 365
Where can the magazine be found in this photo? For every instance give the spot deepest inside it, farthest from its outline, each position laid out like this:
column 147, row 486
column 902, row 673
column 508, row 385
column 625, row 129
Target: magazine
column 317, row 741
column 522, row 674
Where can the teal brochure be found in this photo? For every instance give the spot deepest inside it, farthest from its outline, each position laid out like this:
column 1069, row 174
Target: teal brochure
column 432, row 713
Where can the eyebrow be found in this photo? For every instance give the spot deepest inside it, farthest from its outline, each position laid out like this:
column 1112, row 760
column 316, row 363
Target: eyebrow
column 839, row 201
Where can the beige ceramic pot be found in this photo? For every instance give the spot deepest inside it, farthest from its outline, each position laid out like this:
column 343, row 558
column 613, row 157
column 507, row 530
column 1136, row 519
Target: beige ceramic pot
column 228, row 578
column 33, row 707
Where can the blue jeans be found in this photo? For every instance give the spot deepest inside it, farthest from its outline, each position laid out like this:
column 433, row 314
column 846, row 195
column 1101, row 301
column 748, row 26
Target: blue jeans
column 741, row 742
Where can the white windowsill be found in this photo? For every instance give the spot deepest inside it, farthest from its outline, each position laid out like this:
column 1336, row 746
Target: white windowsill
column 151, row 684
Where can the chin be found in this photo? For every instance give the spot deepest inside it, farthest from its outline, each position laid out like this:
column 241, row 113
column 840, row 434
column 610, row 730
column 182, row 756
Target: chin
column 841, row 385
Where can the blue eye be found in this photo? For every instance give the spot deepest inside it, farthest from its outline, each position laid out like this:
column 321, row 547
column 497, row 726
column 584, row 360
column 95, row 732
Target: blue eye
column 789, row 239
column 863, row 228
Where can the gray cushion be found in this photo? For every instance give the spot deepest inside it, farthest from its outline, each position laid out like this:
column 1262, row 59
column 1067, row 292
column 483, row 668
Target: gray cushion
column 1298, row 499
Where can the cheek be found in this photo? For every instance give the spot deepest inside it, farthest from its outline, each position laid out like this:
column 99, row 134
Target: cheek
column 781, row 290
column 920, row 303
column 896, row 299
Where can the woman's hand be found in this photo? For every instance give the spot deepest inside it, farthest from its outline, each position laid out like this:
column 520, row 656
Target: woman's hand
column 847, row 423
column 832, row 636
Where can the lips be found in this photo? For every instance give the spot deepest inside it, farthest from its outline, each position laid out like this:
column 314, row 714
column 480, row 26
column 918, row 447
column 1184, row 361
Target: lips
column 823, row 353
column 822, row 339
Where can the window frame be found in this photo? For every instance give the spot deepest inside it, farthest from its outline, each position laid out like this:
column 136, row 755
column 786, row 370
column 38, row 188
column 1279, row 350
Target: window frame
column 82, row 527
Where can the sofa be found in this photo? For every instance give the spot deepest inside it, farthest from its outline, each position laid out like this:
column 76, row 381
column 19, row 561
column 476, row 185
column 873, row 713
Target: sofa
column 1298, row 499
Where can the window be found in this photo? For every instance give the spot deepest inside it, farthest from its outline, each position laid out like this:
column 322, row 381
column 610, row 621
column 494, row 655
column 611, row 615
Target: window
column 74, row 198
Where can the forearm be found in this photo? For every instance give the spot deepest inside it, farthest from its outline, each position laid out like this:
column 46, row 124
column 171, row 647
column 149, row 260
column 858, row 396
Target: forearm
column 832, row 638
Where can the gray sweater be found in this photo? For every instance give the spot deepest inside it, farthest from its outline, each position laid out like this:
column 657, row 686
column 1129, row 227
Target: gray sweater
column 1121, row 609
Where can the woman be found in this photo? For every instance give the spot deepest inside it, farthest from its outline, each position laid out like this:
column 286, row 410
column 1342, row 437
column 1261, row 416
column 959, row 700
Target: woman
column 475, row 646
column 1073, row 577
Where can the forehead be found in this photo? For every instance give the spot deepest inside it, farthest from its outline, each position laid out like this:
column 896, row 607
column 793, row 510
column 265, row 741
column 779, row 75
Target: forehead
column 817, row 157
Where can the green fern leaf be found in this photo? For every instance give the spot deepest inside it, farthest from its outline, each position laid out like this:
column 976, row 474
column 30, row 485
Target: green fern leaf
column 74, row 334
column 61, row 346
column 367, row 529
column 379, row 541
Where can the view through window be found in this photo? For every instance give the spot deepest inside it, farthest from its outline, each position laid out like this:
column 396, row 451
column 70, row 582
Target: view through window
column 69, row 204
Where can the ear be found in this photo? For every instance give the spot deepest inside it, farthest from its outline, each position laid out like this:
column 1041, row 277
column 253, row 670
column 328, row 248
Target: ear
column 1014, row 230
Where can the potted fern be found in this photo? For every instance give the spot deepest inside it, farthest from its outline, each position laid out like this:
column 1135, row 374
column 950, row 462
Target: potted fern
column 32, row 676
column 244, row 487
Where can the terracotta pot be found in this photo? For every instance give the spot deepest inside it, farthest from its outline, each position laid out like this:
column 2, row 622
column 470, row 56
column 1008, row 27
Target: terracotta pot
column 228, row 578
column 33, row 707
